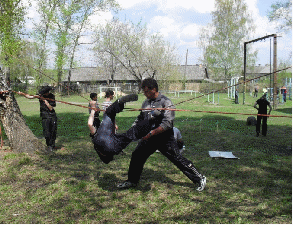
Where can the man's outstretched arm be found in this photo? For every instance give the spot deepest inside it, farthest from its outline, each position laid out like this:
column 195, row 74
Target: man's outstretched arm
column 91, row 122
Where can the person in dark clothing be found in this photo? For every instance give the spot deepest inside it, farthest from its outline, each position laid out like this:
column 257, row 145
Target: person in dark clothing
column 160, row 137
column 284, row 92
column 94, row 104
column 255, row 92
column 262, row 109
column 236, row 96
column 48, row 115
column 107, row 142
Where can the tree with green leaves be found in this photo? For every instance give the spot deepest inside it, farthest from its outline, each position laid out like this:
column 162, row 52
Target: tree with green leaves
column 89, row 7
column 282, row 13
column 129, row 47
column 222, row 41
column 20, row 137
column 24, row 65
column 41, row 34
column 71, row 17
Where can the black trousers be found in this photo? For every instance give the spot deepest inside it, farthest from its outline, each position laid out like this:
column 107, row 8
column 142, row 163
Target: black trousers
column 284, row 97
column 97, row 121
column 264, row 124
column 167, row 145
column 236, row 99
column 50, row 130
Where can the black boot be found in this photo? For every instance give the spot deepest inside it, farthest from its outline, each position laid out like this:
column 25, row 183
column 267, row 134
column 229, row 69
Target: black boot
column 128, row 98
column 118, row 105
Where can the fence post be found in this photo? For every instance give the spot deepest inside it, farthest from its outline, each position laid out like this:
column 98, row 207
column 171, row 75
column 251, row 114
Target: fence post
column 228, row 83
column 290, row 87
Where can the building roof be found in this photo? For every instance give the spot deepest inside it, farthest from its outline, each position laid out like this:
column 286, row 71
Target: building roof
column 262, row 70
column 90, row 74
column 189, row 72
column 193, row 72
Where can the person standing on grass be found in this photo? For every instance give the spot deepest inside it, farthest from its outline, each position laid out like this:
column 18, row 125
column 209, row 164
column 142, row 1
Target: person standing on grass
column 94, row 104
column 284, row 92
column 48, row 115
column 161, row 137
column 255, row 91
column 178, row 139
column 236, row 96
column 262, row 109
column 109, row 95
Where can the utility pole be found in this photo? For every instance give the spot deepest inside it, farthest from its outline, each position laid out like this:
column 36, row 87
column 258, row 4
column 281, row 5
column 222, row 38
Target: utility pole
column 244, row 88
column 271, row 68
column 185, row 70
column 275, row 73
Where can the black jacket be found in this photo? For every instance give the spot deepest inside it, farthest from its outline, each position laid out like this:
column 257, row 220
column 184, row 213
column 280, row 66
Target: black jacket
column 158, row 117
column 44, row 110
column 262, row 103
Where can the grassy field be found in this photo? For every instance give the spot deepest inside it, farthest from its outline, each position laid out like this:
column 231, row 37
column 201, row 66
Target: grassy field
column 74, row 186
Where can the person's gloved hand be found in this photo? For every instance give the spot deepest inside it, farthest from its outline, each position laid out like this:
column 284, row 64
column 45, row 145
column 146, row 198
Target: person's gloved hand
column 153, row 114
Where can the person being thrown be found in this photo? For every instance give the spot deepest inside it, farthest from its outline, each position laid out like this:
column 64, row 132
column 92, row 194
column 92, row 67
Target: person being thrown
column 106, row 142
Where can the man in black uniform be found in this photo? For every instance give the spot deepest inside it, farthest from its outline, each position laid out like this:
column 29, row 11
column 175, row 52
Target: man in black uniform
column 48, row 115
column 262, row 109
column 160, row 137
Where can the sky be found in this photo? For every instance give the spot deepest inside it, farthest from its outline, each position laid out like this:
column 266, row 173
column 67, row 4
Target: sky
column 180, row 21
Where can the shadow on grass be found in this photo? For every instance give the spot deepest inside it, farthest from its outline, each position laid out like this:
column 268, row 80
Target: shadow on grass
column 71, row 125
column 228, row 134
column 285, row 110
column 256, row 187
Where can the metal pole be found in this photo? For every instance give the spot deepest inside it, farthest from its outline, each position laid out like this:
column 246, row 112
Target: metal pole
column 185, row 70
column 275, row 71
column 228, row 88
column 290, row 88
column 244, row 73
column 270, row 68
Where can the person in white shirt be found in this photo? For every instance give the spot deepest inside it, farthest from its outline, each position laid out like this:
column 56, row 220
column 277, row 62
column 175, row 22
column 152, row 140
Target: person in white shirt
column 178, row 138
column 94, row 104
column 108, row 101
column 109, row 95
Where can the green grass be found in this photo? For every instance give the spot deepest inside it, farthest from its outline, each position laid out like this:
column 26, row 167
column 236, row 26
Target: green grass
column 74, row 186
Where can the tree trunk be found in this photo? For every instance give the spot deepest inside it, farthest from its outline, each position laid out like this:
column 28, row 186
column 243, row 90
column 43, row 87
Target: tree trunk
column 21, row 138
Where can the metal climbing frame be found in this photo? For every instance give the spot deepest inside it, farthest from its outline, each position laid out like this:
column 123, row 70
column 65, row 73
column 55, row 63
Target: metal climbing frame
column 274, row 66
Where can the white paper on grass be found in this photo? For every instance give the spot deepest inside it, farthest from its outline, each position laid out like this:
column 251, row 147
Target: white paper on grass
column 219, row 154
